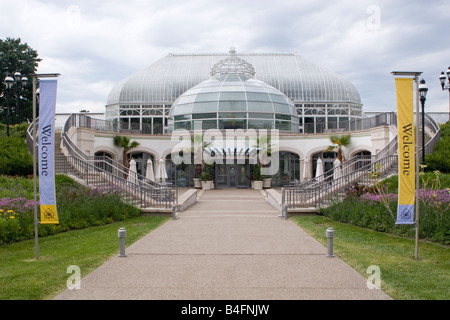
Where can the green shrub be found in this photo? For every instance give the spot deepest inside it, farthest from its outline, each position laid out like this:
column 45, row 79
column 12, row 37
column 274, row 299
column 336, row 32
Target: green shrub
column 14, row 157
column 78, row 207
column 439, row 159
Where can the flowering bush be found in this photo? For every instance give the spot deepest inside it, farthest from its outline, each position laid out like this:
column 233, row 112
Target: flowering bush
column 78, row 207
column 376, row 209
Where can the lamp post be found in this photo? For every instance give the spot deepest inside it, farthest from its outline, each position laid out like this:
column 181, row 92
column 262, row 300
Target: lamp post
column 8, row 83
column 446, row 86
column 423, row 89
column 21, row 83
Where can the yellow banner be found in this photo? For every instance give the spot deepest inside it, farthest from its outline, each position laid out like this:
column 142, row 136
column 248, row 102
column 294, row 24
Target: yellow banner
column 406, row 150
column 49, row 214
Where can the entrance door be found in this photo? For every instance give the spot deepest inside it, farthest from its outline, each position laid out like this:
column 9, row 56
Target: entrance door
column 232, row 175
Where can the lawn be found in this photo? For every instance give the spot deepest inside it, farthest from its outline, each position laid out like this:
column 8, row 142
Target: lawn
column 25, row 278
column 402, row 277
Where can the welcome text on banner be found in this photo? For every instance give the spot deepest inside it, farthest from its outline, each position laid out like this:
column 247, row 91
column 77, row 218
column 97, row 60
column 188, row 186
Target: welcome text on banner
column 406, row 151
column 47, row 195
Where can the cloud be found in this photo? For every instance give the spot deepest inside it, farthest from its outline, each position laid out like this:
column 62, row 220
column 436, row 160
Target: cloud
column 95, row 44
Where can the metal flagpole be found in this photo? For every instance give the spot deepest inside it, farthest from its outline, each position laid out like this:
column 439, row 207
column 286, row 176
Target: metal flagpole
column 416, row 80
column 36, row 222
column 416, row 247
column 35, row 78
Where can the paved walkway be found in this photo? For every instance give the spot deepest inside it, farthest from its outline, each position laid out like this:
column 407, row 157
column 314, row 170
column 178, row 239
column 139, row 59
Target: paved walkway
column 229, row 245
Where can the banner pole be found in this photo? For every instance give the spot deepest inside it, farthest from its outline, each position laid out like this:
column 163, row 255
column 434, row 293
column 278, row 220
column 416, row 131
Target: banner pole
column 36, row 222
column 35, row 78
column 416, row 247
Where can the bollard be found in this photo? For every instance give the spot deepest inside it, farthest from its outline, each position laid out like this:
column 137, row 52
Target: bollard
column 122, row 234
column 330, row 235
column 174, row 212
column 285, row 208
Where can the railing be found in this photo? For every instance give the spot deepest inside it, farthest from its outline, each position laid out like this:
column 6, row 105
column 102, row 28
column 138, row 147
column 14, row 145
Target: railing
column 317, row 194
column 382, row 119
column 114, row 168
column 317, row 191
column 140, row 194
column 108, row 172
column 84, row 121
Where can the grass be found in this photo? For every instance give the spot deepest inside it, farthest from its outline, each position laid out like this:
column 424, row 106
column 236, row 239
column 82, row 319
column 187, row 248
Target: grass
column 402, row 277
column 25, row 278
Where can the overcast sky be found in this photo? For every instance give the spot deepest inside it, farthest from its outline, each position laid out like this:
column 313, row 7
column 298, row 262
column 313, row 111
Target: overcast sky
column 96, row 43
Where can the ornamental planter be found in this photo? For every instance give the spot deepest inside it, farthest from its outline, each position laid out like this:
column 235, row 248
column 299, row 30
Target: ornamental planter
column 206, row 185
column 258, row 185
column 267, row 183
column 197, row 183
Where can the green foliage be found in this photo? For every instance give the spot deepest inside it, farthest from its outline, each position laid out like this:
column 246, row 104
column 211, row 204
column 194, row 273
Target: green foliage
column 125, row 143
column 439, row 159
column 207, row 173
column 256, row 173
column 376, row 208
column 339, row 142
column 14, row 157
column 78, row 207
column 17, row 56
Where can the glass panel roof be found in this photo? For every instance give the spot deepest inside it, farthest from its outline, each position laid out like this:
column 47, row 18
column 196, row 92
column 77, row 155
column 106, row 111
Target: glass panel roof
column 298, row 78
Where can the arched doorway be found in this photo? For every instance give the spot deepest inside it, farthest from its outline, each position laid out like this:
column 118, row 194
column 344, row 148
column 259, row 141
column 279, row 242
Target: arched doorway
column 182, row 174
column 103, row 160
column 288, row 170
column 141, row 159
column 365, row 158
column 328, row 158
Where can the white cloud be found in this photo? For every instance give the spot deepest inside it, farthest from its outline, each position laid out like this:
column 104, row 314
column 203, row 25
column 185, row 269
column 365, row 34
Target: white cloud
column 94, row 44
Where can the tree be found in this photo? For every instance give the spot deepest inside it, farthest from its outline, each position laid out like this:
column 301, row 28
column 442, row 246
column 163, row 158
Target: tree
column 197, row 141
column 339, row 142
column 125, row 143
column 17, row 56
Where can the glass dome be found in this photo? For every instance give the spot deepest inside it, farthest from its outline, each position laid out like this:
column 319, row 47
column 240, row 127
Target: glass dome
column 231, row 99
column 323, row 100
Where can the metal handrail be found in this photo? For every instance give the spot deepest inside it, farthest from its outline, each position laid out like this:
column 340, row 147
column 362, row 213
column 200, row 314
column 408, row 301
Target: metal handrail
column 117, row 170
column 111, row 173
column 142, row 195
column 317, row 195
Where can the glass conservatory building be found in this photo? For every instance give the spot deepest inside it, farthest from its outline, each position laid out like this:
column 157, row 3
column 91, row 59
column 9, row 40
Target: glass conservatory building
column 293, row 94
column 233, row 99
column 245, row 92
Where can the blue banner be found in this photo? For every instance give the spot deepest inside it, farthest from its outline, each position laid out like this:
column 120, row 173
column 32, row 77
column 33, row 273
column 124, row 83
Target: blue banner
column 46, row 151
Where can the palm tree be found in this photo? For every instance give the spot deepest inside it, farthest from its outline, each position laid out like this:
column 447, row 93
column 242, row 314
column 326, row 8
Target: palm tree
column 339, row 142
column 196, row 141
column 125, row 143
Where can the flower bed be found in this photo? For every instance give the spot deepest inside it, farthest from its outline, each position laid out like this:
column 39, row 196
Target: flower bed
column 377, row 210
column 78, row 207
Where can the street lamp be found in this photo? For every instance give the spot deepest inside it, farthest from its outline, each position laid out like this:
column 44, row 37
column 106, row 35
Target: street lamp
column 21, row 83
column 8, row 83
column 423, row 89
column 445, row 86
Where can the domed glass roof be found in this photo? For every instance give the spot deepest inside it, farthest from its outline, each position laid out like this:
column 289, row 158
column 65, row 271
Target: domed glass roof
column 297, row 77
column 232, row 99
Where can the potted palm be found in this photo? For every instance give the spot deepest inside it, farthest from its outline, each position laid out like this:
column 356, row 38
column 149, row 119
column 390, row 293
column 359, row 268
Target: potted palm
column 198, row 144
column 256, row 177
column 205, row 179
column 264, row 145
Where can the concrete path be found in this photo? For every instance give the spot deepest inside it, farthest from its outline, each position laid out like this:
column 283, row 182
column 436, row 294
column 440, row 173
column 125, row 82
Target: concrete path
column 229, row 245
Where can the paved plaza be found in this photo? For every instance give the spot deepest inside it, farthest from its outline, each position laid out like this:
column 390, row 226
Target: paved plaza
column 230, row 245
